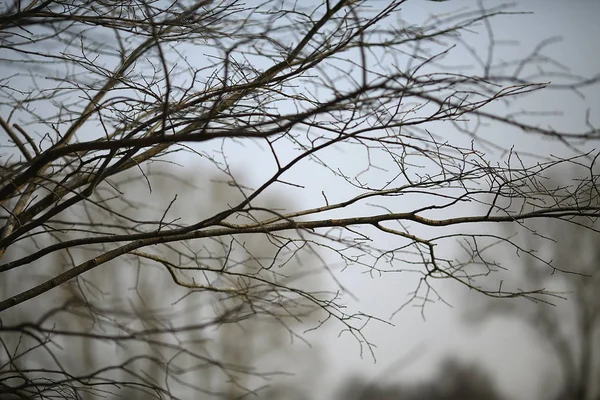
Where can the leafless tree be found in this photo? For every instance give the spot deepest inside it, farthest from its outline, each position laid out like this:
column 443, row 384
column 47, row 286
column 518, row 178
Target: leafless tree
column 97, row 95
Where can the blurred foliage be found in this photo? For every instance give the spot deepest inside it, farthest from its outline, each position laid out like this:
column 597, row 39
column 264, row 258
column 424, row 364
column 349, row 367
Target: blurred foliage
column 454, row 380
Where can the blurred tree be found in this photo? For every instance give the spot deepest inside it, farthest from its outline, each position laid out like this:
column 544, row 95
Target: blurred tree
column 454, row 380
column 227, row 362
column 96, row 95
column 570, row 329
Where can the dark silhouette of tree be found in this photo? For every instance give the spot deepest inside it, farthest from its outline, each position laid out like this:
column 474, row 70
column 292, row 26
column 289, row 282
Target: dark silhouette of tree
column 97, row 96
column 454, row 380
